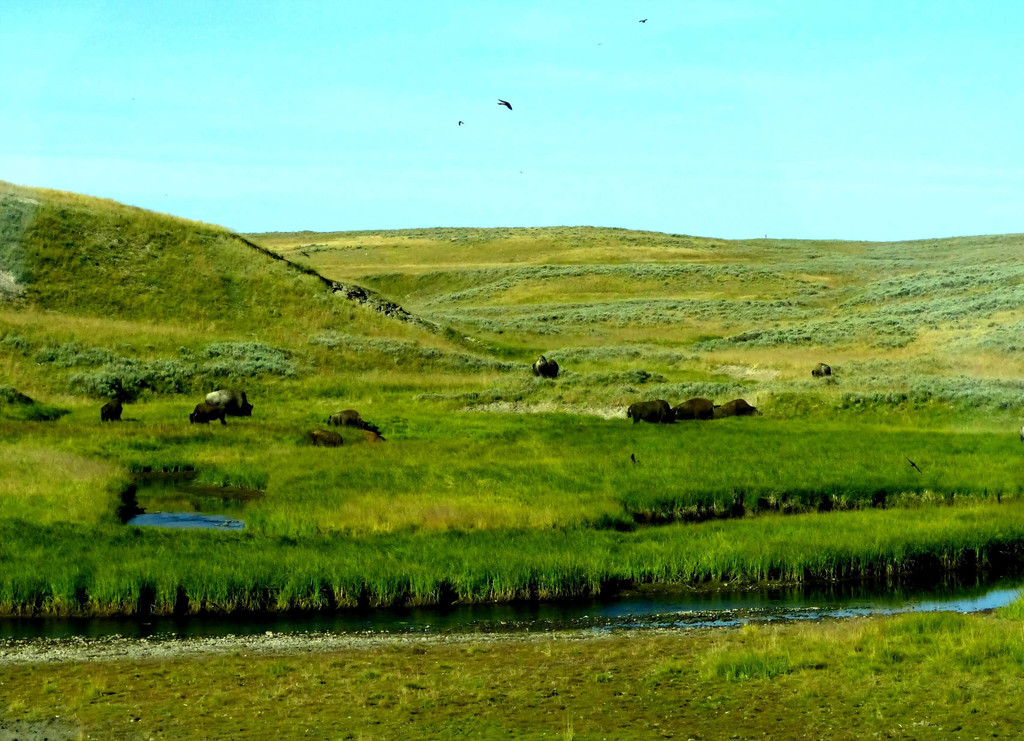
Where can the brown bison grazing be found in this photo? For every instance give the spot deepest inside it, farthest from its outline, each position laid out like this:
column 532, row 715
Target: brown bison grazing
column 205, row 413
column 650, row 411
column 545, row 368
column 373, row 437
column 346, row 418
column 694, row 409
column 822, row 370
column 351, row 418
column 324, row 439
column 232, row 402
column 111, row 411
column 735, row 408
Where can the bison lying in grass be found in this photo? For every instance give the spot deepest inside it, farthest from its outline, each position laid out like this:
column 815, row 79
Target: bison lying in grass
column 650, row 411
column 735, row 408
column 324, row 439
column 351, row 418
column 695, row 409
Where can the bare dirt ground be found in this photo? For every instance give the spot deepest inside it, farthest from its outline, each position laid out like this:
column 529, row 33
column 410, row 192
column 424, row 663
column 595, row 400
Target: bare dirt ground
column 53, row 729
column 115, row 648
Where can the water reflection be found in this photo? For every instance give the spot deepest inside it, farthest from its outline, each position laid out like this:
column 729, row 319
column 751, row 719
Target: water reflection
column 677, row 609
column 175, row 501
column 188, row 520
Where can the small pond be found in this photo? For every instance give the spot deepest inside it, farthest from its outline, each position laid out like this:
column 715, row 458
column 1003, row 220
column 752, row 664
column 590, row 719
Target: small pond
column 176, row 501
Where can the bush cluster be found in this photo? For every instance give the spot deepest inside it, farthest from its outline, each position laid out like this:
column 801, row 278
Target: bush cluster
column 245, row 359
column 216, row 365
column 72, row 354
column 963, row 392
column 873, row 330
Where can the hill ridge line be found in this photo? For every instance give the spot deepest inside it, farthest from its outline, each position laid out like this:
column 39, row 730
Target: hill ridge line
column 349, row 291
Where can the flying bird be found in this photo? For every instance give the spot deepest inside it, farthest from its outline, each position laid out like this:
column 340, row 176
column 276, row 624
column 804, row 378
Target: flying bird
column 460, row 123
column 505, row 103
column 644, row 20
column 913, row 465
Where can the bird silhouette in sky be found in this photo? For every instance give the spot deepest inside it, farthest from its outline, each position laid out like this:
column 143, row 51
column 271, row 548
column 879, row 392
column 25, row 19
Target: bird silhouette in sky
column 460, row 123
column 913, row 465
column 644, row 20
column 505, row 103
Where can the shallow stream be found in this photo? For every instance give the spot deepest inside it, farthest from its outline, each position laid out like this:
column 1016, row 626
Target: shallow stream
column 176, row 501
column 635, row 610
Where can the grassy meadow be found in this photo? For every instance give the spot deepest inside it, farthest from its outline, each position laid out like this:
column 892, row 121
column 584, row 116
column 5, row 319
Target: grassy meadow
column 923, row 676
column 493, row 484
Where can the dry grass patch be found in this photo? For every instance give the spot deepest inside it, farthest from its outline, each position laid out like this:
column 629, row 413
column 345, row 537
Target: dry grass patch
column 46, row 485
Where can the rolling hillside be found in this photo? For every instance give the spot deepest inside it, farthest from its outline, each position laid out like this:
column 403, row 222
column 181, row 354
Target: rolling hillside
column 93, row 290
column 934, row 319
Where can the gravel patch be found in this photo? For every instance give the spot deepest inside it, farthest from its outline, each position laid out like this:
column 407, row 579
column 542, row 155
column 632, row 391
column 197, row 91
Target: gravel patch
column 53, row 729
column 114, row 648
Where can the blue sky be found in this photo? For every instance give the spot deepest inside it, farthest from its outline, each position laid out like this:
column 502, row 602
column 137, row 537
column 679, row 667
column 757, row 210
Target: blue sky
column 848, row 120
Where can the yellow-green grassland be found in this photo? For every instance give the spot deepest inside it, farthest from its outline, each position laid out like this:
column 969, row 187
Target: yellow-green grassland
column 493, row 484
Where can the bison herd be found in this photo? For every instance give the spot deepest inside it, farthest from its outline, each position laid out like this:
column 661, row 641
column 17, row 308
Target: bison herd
column 231, row 403
column 660, row 411
column 217, row 405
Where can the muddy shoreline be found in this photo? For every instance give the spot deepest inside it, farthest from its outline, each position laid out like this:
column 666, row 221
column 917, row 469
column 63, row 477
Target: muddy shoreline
column 116, row 648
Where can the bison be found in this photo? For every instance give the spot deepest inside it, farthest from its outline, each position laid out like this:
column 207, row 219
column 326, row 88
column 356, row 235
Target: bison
column 324, row 439
column 735, row 408
column 650, row 411
column 204, row 413
column 373, row 437
column 346, row 418
column 351, row 418
column 232, row 402
column 545, row 368
column 111, row 411
column 694, row 409
column 823, row 369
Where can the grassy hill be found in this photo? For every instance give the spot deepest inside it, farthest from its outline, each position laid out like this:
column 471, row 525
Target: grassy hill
column 936, row 319
column 93, row 290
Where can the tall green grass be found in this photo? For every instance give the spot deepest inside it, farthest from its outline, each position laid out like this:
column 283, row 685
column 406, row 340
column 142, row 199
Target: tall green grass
column 72, row 568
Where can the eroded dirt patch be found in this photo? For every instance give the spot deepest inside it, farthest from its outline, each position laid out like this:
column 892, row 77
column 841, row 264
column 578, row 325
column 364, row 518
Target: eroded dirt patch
column 53, row 729
column 549, row 407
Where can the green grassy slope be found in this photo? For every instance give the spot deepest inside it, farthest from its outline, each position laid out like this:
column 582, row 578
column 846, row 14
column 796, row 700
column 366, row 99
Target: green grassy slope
column 90, row 257
column 934, row 319
column 92, row 290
